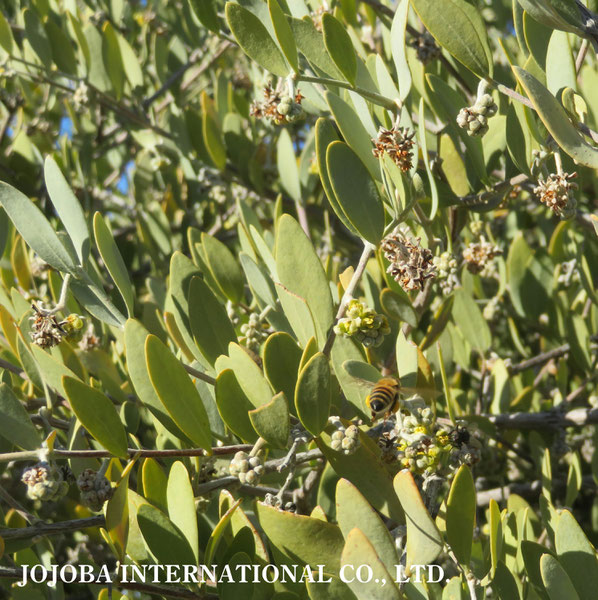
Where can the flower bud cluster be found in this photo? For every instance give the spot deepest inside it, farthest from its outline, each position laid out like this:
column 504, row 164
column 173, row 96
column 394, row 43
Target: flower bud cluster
column 421, row 445
column 446, row 272
column 45, row 481
column 212, row 185
column 426, row 48
column 255, row 331
column 397, row 143
column 278, row 106
column 276, row 502
column 493, row 308
column 95, row 489
column 558, row 193
column 345, row 440
column 568, row 272
column 81, row 97
column 247, row 468
column 410, row 264
column 364, row 324
column 479, row 255
column 90, row 340
column 475, row 118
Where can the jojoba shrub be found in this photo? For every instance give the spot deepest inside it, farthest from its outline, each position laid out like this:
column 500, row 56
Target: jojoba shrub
column 298, row 297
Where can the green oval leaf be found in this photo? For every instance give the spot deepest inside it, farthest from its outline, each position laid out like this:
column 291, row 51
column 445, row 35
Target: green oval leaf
column 163, row 538
column 250, row 376
column 135, row 336
column 271, row 421
column 354, row 132
column 460, row 29
column 312, row 394
column 424, row 542
column 113, row 261
column 557, row 122
column 97, row 414
column 211, row 327
column 353, row 510
column 281, row 357
column 555, row 578
column 288, row 170
column 224, row 268
column 177, row 392
column 283, row 33
column 365, row 470
column 255, row 40
column 68, row 208
column 181, row 504
column 234, row 406
column 356, row 192
column 294, row 536
column 325, row 135
column 339, row 47
column 468, row 318
column 359, row 551
column 301, row 272
column 35, row 228
column 460, row 514
column 576, row 555
column 15, row 424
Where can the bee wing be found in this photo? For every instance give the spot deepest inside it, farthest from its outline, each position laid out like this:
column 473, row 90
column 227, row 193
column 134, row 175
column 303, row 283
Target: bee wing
column 422, row 391
column 365, row 384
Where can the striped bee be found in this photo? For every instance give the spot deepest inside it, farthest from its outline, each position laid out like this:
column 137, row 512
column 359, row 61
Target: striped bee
column 383, row 400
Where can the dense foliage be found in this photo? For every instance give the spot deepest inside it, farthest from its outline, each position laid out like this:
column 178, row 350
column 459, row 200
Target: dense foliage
column 298, row 282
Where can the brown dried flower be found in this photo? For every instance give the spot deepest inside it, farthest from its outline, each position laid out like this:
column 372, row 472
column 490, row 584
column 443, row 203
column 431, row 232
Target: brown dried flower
column 410, row 264
column 90, row 340
column 397, row 143
column 557, row 192
column 278, row 107
column 46, row 331
column 478, row 256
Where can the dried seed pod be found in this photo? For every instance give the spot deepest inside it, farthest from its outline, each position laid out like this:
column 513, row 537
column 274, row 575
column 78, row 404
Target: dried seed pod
column 397, row 142
column 410, row 264
column 557, row 192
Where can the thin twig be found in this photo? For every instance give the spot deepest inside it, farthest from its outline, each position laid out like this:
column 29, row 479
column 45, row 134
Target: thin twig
column 169, row 453
column 497, row 188
column 199, row 374
column 581, row 55
column 538, row 360
column 41, row 529
column 363, row 261
column 17, row 506
column 172, row 79
column 578, row 417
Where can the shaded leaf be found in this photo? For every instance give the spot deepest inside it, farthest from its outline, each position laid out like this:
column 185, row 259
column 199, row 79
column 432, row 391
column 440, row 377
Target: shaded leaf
column 255, row 40
column 355, row 191
column 35, row 228
column 97, row 414
column 557, row 122
column 177, row 392
column 15, row 424
column 424, row 542
column 312, row 394
column 339, row 46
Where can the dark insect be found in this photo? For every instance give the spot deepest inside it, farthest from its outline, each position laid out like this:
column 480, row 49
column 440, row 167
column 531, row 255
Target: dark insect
column 383, row 399
column 459, row 436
